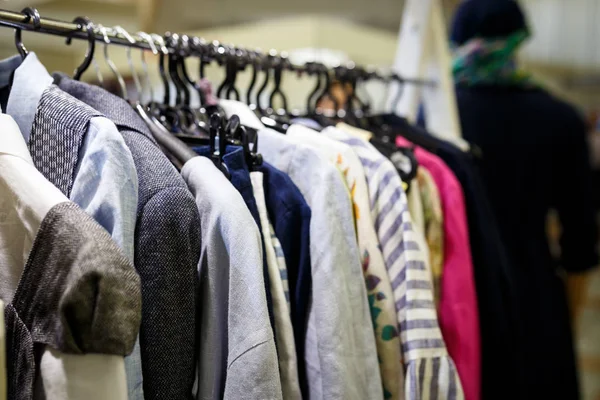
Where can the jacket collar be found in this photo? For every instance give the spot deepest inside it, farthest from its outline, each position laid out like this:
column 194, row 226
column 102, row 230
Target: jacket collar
column 113, row 107
column 30, row 81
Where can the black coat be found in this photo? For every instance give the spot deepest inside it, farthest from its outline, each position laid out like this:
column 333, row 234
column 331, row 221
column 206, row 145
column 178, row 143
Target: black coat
column 535, row 158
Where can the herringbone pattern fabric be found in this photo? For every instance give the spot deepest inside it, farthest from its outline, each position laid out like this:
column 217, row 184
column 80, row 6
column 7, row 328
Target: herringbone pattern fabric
column 78, row 294
column 57, row 159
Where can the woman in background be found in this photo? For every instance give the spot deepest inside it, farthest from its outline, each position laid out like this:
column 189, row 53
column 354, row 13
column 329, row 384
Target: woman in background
column 535, row 158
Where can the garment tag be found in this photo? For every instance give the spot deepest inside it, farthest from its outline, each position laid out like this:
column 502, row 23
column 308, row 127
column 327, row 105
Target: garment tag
column 401, row 162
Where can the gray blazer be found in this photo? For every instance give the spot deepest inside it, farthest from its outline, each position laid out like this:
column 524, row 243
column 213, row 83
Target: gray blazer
column 78, row 293
column 237, row 356
column 167, row 250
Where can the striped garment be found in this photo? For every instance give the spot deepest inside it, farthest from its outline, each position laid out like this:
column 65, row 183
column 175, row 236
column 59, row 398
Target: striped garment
column 281, row 264
column 377, row 281
column 430, row 372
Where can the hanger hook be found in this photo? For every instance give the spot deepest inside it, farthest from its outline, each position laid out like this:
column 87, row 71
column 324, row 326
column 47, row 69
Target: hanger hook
column 161, row 66
column 186, row 51
column 84, row 22
column 253, row 61
column 182, row 91
column 136, row 80
column 280, row 64
column 226, row 60
column 154, row 50
column 111, row 64
column 237, row 65
column 31, row 14
column 327, row 89
column 312, row 68
column 267, row 65
column 161, row 43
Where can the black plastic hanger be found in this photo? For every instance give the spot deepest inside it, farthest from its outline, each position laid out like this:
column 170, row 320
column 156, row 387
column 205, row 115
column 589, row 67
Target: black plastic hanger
column 254, row 62
column 266, row 117
column 205, row 51
column 164, row 77
column 403, row 158
column 240, row 61
column 401, row 126
column 175, row 147
column 182, row 91
column 189, row 115
column 267, row 72
column 162, row 113
column 227, row 87
column 312, row 68
column 239, row 135
column 195, row 46
column 84, row 22
column 321, row 90
column 34, row 15
column 179, row 117
column 355, row 108
column 223, row 62
column 182, row 69
column 343, row 75
column 163, row 137
column 280, row 63
column 200, row 118
column 200, row 115
column 216, row 130
column 253, row 158
column 327, row 91
column 234, row 62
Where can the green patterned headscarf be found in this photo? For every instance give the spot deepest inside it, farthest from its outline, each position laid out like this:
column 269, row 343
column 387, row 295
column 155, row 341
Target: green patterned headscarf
column 482, row 61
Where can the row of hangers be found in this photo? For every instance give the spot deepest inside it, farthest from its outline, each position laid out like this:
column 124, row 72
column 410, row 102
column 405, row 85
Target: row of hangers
column 176, row 125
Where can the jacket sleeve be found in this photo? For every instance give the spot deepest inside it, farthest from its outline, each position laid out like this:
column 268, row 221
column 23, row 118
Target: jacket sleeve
column 167, row 254
column 575, row 199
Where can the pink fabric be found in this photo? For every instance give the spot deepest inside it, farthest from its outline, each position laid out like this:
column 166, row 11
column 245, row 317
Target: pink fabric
column 458, row 314
column 206, row 87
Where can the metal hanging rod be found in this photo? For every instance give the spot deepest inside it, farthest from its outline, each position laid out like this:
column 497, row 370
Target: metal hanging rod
column 183, row 45
column 65, row 29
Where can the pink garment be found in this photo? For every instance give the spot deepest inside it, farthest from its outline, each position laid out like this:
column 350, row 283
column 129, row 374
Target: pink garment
column 206, row 87
column 458, row 314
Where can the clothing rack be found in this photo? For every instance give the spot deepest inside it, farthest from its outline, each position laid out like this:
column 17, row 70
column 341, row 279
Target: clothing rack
column 29, row 19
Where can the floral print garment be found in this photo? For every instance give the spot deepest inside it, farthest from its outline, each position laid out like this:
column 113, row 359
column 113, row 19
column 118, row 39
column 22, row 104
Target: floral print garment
column 430, row 372
column 434, row 227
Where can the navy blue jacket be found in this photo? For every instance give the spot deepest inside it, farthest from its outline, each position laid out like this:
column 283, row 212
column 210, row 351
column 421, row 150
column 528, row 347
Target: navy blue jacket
column 290, row 215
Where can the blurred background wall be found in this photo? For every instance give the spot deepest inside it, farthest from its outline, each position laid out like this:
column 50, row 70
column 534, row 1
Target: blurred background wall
column 564, row 52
